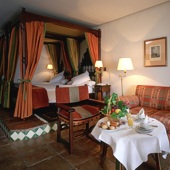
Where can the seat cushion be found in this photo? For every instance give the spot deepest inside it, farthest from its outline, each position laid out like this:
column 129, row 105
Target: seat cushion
column 164, row 117
column 81, row 112
column 132, row 101
column 148, row 110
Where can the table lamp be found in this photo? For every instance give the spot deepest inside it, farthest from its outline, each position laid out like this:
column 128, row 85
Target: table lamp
column 124, row 64
column 49, row 66
column 98, row 65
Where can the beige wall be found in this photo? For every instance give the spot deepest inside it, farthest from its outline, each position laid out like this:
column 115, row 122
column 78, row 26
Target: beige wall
column 125, row 38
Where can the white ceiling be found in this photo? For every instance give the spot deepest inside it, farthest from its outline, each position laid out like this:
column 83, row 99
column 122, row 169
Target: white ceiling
column 87, row 12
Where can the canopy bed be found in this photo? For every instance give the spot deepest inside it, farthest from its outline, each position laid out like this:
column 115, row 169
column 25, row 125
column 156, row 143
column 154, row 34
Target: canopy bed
column 25, row 39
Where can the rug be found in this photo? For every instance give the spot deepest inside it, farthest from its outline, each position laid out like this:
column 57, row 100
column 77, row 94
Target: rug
column 47, row 114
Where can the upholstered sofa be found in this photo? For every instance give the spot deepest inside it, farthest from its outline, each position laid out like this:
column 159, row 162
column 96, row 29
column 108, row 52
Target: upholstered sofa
column 155, row 100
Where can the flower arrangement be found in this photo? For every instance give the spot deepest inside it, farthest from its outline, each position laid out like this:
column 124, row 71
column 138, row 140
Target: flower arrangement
column 115, row 108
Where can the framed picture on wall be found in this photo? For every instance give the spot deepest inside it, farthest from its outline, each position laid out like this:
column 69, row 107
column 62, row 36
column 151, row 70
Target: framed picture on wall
column 155, row 52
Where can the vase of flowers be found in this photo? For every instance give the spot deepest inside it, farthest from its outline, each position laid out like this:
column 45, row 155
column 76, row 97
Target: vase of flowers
column 115, row 109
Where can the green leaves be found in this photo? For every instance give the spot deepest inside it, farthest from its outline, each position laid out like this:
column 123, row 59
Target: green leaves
column 112, row 104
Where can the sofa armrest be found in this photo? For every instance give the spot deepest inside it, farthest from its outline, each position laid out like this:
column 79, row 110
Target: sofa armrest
column 132, row 100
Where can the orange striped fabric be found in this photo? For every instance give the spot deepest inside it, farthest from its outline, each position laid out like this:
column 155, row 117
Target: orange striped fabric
column 157, row 97
column 71, row 94
column 81, row 112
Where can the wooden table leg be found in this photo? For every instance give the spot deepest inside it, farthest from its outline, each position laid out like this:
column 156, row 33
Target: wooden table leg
column 103, row 155
column 104, row 150
column 158, row 163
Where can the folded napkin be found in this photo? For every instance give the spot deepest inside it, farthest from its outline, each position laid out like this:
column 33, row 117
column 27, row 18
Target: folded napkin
column 141, row 114
column 144, row 122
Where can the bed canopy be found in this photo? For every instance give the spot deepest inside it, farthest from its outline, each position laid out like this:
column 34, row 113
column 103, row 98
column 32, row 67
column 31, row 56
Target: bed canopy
column 24, row 40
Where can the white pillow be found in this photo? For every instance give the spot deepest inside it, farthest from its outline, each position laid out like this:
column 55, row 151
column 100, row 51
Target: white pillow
column 81, row 80
column 90, row 83
column 80, row 76
column 63, row 81
column 57, row 78
column 70, row 83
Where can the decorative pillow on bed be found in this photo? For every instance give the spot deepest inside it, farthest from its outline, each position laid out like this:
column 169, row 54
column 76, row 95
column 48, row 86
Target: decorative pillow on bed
column 85, row 74
column 80, row 79
column 57, row 77
column 63, row 81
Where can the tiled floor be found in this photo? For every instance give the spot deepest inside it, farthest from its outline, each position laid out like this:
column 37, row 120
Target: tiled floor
column 44, row 153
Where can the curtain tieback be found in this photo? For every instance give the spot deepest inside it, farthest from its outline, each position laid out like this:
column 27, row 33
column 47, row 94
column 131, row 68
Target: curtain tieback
column 24, row 81
column 24, row 91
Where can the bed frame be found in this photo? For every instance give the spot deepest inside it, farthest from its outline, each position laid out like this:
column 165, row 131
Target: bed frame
column 57, row 30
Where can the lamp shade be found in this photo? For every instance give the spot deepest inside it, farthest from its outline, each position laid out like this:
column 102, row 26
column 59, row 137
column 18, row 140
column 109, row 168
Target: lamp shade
column 99, row 64
column 49, row 66
column 125, row 64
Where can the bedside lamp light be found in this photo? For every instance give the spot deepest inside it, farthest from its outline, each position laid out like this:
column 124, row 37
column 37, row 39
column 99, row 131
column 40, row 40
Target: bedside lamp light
column 124, row 64
column 98, row 65
column 49, row 66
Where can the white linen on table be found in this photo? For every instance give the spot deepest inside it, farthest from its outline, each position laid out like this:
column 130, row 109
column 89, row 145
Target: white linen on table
column 132, row 148
column 50, row 87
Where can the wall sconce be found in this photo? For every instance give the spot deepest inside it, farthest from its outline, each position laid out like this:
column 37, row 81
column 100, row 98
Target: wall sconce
column 124, row 64
column 99, row 66
column 49, row 66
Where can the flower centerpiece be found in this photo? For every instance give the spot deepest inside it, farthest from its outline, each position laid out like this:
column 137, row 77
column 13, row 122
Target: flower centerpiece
column 114, row 108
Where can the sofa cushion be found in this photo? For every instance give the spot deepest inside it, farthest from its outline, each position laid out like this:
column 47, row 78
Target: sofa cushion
column 132, row 100
column 157, row 97
column 148, row 110
column 164, row 117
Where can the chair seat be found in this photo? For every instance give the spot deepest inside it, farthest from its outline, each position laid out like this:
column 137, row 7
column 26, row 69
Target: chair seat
column 81, row 112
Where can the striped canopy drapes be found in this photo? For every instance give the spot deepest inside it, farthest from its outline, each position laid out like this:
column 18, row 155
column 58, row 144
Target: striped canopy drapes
column 73, row 51
column 2, row 63
column 93, row 45
column 29, row 58
column 11, row 67
column 52, row 48
column 66, row 62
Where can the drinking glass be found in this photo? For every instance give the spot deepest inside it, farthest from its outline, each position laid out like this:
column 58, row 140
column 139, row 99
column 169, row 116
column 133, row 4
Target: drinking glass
column 130, row 122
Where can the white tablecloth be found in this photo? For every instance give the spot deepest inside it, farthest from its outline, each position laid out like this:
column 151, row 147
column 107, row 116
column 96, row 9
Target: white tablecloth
column 130, row 147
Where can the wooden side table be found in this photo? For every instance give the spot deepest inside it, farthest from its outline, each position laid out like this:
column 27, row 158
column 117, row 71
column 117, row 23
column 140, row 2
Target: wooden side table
column 101, row 91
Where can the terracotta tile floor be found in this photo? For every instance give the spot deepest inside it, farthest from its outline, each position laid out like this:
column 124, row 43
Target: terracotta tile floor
column 44, row 152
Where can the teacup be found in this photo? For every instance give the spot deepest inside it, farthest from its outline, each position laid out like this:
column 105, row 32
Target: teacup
column 144, row 125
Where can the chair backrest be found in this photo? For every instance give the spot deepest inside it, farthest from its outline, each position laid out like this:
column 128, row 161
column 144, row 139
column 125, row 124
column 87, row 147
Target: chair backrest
column 71, row 94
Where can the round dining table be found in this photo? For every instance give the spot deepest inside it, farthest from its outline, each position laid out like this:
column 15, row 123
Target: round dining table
column 132, row 148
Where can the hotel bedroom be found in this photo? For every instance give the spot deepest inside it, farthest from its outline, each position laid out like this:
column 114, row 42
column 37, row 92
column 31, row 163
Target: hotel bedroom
column 29, row 143
column 62, row 40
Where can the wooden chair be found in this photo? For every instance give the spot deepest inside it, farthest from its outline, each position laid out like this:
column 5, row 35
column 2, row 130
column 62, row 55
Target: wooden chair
column 75, row 108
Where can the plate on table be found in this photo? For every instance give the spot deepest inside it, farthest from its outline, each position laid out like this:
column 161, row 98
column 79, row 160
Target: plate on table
column 140, row 129
column 107, row 127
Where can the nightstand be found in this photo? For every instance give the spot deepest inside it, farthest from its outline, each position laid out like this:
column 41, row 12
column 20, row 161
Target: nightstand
column 101, row 90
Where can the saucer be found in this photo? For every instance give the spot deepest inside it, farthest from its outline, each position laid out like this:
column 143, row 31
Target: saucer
column 140, row 129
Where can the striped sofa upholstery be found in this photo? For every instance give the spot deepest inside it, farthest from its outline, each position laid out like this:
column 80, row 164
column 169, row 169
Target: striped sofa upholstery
column 154, row 99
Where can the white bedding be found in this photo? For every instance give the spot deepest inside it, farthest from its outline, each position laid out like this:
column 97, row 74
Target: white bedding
column 51, row 88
